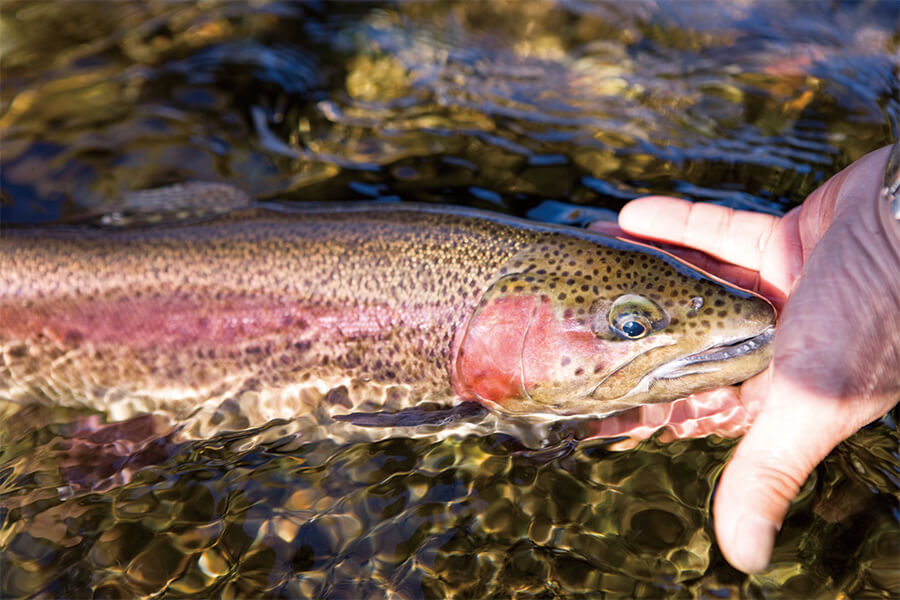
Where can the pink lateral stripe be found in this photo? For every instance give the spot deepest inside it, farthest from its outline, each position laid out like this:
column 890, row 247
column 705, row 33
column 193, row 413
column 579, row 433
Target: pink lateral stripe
column 148, row 322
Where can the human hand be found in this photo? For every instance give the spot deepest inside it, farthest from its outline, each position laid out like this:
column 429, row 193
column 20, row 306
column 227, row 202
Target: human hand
column 832, row 268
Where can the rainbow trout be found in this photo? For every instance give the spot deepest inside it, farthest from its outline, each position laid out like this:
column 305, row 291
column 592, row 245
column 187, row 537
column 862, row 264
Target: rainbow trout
column 258, row 304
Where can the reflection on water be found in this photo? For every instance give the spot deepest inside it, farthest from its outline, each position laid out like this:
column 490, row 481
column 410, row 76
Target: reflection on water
column 494, row 104
column 498, row 105
column 235, row 516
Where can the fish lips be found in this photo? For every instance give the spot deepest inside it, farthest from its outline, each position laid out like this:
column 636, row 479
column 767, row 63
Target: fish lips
column 721, row 365
column 729, row 351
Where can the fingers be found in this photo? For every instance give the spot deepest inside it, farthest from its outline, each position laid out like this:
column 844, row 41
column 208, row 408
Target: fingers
column 720, row 412
column 740, row 276
column 734, row 236
column 794, row 431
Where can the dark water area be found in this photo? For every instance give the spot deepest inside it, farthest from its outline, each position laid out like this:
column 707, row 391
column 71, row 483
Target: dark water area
column 507, row 106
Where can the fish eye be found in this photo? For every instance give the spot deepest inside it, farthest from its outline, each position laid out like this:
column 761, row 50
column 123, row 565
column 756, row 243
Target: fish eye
column 632, row 317
column 633, row 327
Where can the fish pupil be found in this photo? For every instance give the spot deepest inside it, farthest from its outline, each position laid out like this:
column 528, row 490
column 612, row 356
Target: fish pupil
column 633, row 329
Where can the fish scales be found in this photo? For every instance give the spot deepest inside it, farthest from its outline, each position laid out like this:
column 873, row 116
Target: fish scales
column 256, row 295
column 449, row 303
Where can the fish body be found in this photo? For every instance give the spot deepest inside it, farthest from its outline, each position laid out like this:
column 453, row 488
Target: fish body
column 525, row 318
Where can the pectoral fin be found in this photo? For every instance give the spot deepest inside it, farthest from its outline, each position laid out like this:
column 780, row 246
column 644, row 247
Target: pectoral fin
column 415, row 416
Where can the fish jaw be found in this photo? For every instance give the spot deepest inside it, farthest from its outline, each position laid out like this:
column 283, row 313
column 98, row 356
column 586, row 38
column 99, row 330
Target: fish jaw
column 717, row 366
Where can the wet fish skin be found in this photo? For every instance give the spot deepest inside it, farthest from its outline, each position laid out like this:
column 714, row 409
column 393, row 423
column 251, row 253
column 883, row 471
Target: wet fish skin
column 448, row 302
column 161, row 318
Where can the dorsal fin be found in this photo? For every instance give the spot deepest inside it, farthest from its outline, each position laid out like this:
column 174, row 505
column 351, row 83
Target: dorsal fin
column 174, row 203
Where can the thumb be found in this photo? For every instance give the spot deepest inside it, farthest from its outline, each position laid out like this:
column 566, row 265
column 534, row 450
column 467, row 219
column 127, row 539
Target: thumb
column 793, row 432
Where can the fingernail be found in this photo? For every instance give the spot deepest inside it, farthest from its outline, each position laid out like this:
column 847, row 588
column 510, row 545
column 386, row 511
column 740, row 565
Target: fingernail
column 753, row 542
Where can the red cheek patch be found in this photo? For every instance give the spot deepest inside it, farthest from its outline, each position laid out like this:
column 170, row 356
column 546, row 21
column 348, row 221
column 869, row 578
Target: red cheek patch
column 557, row 349
column 488, row 354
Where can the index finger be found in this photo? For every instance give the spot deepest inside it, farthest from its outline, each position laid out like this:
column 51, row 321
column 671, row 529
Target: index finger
column 735, row 236
column 746, row 278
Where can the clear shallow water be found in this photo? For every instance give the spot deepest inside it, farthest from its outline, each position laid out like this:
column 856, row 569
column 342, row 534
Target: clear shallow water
column 496, row 105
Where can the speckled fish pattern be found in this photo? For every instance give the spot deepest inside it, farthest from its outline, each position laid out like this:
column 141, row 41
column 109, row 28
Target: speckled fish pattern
column 451, row 304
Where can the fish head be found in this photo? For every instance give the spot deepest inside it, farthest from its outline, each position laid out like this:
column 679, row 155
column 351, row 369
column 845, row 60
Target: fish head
column 593, row 325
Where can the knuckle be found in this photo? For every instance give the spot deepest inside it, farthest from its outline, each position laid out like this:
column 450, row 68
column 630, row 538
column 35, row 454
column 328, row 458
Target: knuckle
column 782, row 481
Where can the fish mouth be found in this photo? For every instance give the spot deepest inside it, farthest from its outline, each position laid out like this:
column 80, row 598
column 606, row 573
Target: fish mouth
column 707, row 361
column 703, row 361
